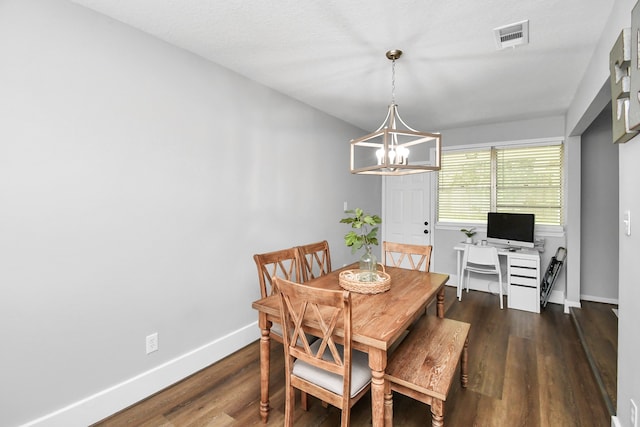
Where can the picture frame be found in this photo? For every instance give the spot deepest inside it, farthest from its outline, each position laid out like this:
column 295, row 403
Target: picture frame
column 620, row 78
column 634, row 70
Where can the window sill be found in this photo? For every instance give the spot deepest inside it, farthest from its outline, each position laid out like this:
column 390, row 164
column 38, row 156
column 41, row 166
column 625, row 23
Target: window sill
column 541, row 230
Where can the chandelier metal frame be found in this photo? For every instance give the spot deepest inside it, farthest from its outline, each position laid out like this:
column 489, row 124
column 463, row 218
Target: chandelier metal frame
column 386, row 151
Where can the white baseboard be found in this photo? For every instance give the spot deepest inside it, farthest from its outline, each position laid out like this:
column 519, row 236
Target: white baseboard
column 615, row 422
column 568, row 304
column 593, row 298
column 556, row 297
column 109, row 401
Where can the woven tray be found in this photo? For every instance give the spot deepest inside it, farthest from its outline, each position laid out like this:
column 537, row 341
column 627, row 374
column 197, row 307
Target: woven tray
column 351, row 281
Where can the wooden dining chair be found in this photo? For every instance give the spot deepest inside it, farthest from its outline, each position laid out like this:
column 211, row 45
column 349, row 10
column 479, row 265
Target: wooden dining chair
column 405, row 255
column 284, row 263
column 315, row 260
column 334, row 373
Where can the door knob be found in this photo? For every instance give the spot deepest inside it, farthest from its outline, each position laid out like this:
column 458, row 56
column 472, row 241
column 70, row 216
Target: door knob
column 426, row 223
column 426, row 231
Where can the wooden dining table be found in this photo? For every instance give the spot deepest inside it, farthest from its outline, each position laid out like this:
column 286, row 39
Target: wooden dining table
column 378, row 321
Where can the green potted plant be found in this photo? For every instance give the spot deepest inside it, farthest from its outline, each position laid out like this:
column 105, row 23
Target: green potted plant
column 469, row 232
column 364, row 233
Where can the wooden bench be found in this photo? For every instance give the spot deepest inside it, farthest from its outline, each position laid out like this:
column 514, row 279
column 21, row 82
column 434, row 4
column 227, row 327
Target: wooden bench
column 423, row 366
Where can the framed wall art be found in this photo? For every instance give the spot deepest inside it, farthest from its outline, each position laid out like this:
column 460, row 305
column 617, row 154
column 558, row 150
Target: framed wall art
column 619, row 67
column 634, row 70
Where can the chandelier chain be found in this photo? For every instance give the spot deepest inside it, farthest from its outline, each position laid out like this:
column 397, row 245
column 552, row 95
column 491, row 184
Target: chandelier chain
column 393, row 81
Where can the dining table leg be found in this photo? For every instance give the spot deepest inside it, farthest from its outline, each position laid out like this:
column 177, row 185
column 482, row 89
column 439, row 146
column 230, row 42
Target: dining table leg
column 388, row 405
column 440, row 303
column 377, row 363
column 265, row 353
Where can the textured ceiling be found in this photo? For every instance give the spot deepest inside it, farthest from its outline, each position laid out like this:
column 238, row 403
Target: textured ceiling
column 331, row 54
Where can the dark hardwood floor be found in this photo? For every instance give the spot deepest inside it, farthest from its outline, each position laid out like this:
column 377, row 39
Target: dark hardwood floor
column 525, row 369
column 597, row 327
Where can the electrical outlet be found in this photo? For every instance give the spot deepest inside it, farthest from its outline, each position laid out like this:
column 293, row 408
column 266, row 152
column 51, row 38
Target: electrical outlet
column 634, row 413
column 152, row 342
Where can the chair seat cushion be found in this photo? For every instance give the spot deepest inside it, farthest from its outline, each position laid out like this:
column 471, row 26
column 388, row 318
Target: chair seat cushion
column 360, row 372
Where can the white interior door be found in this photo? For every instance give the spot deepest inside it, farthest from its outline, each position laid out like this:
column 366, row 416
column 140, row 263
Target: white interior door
column 407, row 213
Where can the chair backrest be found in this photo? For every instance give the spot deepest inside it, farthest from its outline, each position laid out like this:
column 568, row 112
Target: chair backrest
column 322, row 310
column 481, row 256
column 284, row 263
column 418, row 257
column 315, row 260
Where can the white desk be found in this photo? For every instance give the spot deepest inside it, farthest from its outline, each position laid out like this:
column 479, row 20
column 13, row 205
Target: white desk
column 523, row 276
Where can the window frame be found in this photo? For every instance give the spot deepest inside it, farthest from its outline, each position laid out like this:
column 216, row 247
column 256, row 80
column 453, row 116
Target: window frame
column 541, row 229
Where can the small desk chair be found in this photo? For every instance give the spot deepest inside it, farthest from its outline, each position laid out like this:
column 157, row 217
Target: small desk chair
column 315, row 260
column 334, row 373
column 418, row 256
column 482, row 260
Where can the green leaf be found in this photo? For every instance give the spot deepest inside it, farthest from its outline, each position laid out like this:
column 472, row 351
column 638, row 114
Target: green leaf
column 372, row 233
column 350, row 238
column 360, row 222
column 357, row 245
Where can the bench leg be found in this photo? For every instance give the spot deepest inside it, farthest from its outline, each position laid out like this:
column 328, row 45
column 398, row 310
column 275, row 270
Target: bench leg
column 464, row 375
column 437, row 413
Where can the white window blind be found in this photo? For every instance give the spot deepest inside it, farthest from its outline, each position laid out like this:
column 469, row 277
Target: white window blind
column 464, row 186
column 512, row 179
column 529, row 180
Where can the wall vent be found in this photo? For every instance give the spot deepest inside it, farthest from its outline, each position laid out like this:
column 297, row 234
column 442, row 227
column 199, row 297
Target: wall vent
column 512, row 35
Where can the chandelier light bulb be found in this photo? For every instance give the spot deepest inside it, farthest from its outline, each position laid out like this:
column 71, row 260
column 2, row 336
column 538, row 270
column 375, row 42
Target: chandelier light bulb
column 403, row 155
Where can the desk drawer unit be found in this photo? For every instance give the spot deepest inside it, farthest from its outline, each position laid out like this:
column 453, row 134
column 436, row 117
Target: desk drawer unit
column 524, row 282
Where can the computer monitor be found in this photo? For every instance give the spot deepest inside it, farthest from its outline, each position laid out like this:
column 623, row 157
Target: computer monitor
column 511, row 229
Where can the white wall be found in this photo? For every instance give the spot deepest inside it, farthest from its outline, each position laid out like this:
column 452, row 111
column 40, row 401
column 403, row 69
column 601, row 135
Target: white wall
column 534, row 128
column 599, row 208
column 445, row 238
column 587, row 104
column 629, row 289
column 136, row 182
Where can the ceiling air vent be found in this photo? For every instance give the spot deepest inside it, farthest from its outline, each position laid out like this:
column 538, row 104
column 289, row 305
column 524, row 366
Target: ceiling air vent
column 512, row 35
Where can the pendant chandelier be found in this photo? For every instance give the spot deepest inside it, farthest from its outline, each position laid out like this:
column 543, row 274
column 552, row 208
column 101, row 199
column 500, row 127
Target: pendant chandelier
column 395, row 148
